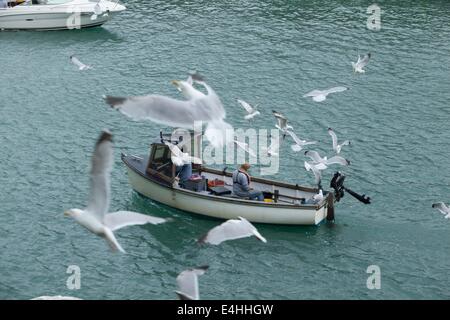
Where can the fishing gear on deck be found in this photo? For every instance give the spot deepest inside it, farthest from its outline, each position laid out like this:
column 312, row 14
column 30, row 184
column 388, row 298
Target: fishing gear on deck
column 337, row 183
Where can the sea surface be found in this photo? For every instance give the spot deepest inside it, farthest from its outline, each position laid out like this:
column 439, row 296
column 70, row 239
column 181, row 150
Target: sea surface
column 270, row 53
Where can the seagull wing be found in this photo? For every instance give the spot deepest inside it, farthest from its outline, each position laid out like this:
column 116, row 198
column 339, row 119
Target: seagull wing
column 441, row 207
column 295, row 138
column 102, row 163
column 338, row 160
column 246, row 106
column 316, row 171
column 166, row 110
column 77, row 62
column 188, row 283
column 174, row 149
column 314, row 155
column 230, row 230
column 313, row 93
column 121, row 219
column 333, row 137
column 245, row 147
column 364, row 61
column 335, row 89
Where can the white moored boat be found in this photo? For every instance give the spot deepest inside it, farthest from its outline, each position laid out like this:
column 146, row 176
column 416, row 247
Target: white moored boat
column 154, row 177
column 56, row 14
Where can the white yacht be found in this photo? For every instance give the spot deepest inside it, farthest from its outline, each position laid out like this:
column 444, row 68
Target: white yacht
column 56, row 14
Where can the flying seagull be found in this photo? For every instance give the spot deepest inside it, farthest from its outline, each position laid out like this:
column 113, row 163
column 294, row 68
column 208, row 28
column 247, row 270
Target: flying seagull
column 321, row 95
column 282, row 123
column 316, row 170
column 180, row 158
column 299, row 143
column 443, row 208
column 245, row 147
column 361, row 63
column 317, row 159
column 230, row 230
column 188, row 283
column 81, row 66
column 95, row 217
column 178, row 113
column 337, row 147
column 187, row 87
column 251, row 110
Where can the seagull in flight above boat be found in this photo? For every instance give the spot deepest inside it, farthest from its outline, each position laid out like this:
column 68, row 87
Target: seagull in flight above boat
column 321, row 95
column 316, row 170
column 274, row 147
column 299, row 143
column 187, row 87
column 230, row 230
column 317, row 159
column 95, row 217
column 188, row 283
column 178, row 113
column 337, row 147
column 81, row 66
column 361, row 63
column 245, row 147
column 443, row 208
column 282, row 123
column 179, row 157
column 251, row 110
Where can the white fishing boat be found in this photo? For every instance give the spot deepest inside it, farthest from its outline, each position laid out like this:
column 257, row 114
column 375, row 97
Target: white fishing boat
column 56, row 14
column 154, row 177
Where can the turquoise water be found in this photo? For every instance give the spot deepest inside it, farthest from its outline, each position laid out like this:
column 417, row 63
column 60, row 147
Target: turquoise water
column 271, row 53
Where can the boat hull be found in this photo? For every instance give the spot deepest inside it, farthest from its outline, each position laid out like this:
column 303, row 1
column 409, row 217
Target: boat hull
column 48, row 17
column 223, row 208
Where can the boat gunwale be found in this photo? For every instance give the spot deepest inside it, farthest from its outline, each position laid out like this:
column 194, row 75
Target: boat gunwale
column 125, row 160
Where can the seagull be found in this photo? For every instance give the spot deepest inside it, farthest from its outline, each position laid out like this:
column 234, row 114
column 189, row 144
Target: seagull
column 318, row 197
column 56, row 298
column 274, row 147
column 230, row 230
column 95, row 217
column 251, row 111
column 282, row 123
column 81, row 66
column 361, row 63
column 245, row 147
column 299, row 143
column 178, row 113
column 443, row 208
column 316, row 170
column 337, row 147
column 187, row 87
column 321, row 95
column 97, row 11
column 314, row 155
column 180, row 158
column 188, row 283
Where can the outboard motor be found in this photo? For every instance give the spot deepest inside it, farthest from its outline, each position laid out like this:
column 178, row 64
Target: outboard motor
column 337, row 183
